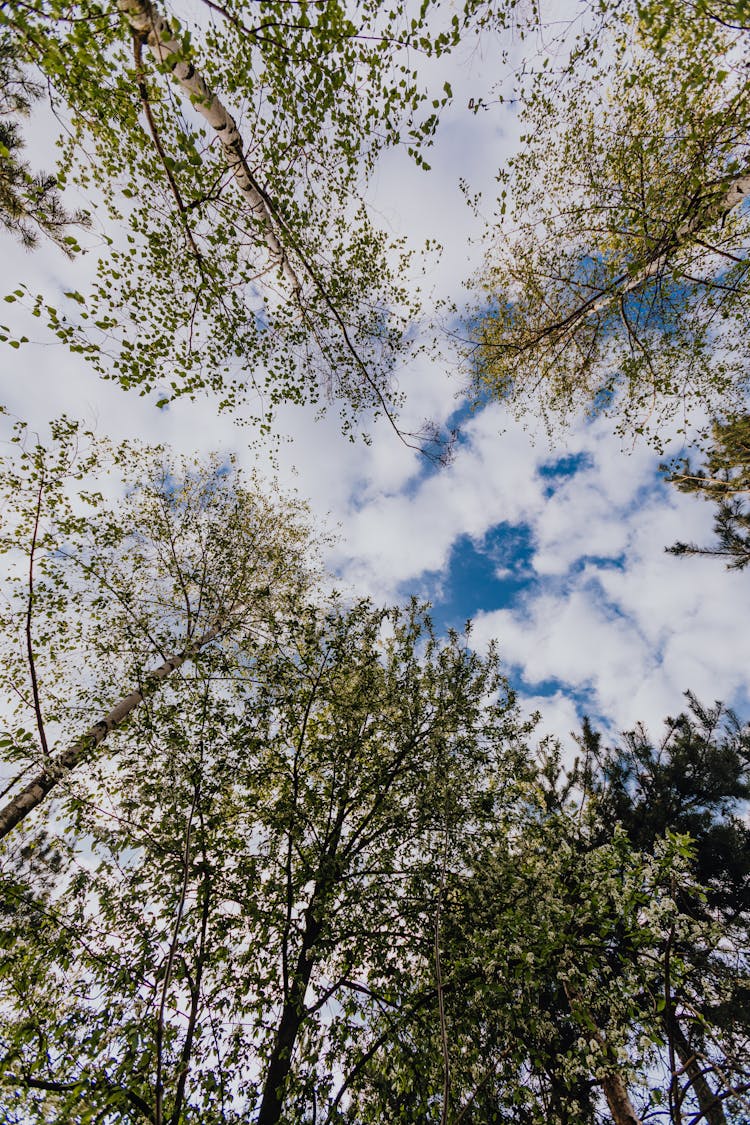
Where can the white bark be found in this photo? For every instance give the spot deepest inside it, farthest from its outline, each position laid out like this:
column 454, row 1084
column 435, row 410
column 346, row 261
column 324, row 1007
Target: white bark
column 35, row 792
column 736, row 193
column 155, row 32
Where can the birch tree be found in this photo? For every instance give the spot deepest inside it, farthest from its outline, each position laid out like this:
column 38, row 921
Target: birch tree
column 108, row 596
column 617, row 281
column 232, row 153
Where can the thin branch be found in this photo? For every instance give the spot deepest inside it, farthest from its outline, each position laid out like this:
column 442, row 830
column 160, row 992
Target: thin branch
column 29, row 614
column 65, row 1087
column 158, row 1116
column 440, row 996
column 195, row 988
column 143, row 93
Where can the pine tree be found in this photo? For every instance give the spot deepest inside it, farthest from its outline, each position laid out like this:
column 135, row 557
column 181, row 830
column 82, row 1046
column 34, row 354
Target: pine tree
column 695, row 782
column 724, row 478
column 29, row 202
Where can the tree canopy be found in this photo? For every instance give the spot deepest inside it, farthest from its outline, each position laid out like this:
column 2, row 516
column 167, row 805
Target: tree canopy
column 228, row 150
column 617, row 279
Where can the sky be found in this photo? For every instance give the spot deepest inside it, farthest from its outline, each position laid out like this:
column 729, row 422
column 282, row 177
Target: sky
column 554, row 550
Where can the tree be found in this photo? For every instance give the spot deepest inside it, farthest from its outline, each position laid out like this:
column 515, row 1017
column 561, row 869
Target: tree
column 122, row 591
column 540, row 941
column 29, row 202
column 695, row 781
column 281, row 834
column 592, row 945
column 236, row 149
column 724, row 478
column 621, row 287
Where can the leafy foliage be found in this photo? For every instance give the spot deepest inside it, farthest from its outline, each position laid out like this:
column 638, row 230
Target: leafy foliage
column 621, row 285
column 29, row 203
column 250, row 882
column 725, row 479
column 107, row 590
column 594, row 945
column 237, row 252
column 695, row 781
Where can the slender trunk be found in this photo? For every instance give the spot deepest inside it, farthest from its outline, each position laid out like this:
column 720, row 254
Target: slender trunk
column 154, row 29
column 35, row 792
column 291, row 1020
column 441, row 999
column 709, row 1104
column 618, row 1100
column 195, row 986
column 735, row 193
column 613, row 1085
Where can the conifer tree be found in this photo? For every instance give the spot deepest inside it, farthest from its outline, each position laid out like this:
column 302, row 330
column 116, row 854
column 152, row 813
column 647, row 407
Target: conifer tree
column 724, row 478
column 696, row 782
column 30, row 203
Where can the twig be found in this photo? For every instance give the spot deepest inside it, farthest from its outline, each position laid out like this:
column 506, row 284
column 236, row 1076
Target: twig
column 29, row 613
column 158, row 1117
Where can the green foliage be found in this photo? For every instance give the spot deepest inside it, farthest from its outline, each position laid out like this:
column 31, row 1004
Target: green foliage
column 597, row 935
column 725, row 471
column 100, row 591
column 259, row 859
column 723, row 478
column 547, row 943
column 696, row 782
column 318, row 873
column 619, row 286
column 29, row 202
column 189, row 292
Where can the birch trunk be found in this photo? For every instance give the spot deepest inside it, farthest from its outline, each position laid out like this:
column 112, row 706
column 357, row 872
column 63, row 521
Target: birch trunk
column 153, row 29
column 36, row 791
column 735, row 194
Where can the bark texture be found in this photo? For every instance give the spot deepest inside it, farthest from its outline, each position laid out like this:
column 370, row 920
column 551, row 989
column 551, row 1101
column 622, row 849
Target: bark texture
column 613, row 1085
column 618, row 1100
column 34, row 793
column 154, row 30
column 729, row 197
column 292, row 1016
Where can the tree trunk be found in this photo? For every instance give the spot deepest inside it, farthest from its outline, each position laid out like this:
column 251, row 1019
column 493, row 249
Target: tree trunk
column 292, row 1016
column 709, row 1104
column 154, row 30
column 35, row 792
column 615, row 1090
column 618, row 1100
column 734, row 193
